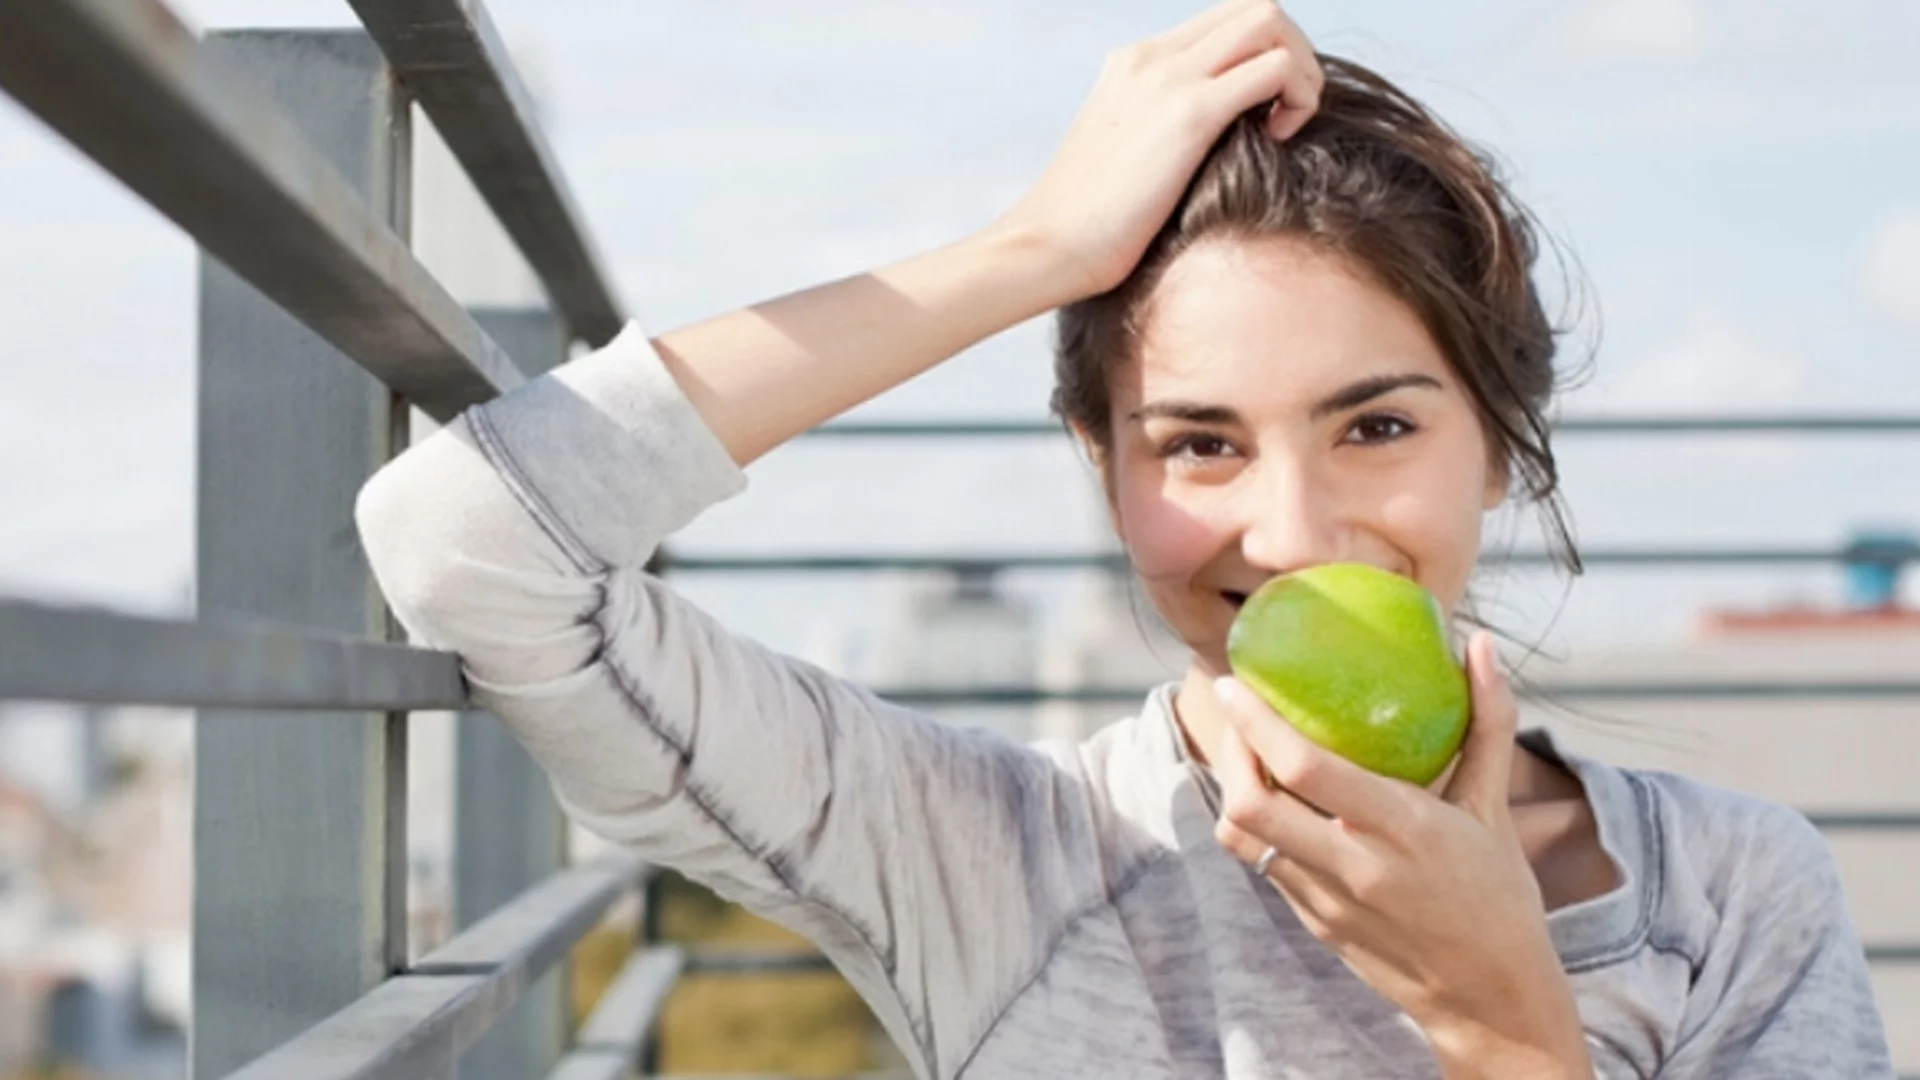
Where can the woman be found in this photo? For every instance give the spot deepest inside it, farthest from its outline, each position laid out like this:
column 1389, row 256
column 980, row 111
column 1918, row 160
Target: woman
column 1298, row 327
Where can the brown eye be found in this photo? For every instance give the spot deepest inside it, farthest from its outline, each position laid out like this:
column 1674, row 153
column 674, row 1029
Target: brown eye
column 1379, row 428
column 1198, row 446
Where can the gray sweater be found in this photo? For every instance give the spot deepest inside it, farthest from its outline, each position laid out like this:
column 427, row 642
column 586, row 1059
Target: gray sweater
column 1054, row 911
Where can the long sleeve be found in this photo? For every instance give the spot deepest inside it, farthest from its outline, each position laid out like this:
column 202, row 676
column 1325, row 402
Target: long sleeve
column 1783, row 991
column 932, row 864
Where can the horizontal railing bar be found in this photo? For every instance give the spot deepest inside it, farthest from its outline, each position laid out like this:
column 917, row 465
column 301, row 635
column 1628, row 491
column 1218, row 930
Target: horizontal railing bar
column 541, row 925
column 85, row 655
column 418, row 1022
column 788, row 1076
column 1574, row 425
column 1106, row 695
column 1894, row 954
column 1115, row 561
column 449, row 56
column 593, row 1065
column 610, row 1040
column 1873, row 821
column 130, row 86
column 748, row 961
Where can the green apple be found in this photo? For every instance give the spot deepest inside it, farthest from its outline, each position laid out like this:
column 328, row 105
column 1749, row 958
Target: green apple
column 1358, row 659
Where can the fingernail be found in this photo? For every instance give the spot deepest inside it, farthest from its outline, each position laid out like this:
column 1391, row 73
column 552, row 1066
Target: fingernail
column 1227, row 689
column 1489, row 661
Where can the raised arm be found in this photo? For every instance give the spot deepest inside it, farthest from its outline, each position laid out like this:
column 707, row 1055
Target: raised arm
column 764, row 374
column 927, row 861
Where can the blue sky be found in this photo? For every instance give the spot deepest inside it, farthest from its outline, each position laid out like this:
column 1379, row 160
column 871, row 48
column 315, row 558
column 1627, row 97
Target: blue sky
column 1740, row 181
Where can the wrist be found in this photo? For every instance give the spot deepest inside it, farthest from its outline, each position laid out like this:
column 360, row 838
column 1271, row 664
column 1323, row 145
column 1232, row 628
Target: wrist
column 1046, row 266
column 1545, row 1051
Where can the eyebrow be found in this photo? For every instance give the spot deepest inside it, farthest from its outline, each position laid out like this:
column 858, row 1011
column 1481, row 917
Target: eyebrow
column 1347, row 397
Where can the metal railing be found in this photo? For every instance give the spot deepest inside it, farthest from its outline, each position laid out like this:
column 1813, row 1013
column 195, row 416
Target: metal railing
column 285, row 155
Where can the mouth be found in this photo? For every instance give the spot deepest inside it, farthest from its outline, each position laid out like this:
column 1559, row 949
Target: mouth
column 1237, row 599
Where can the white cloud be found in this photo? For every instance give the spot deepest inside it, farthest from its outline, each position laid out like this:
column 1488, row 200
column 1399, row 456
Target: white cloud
column 1890, row 274
column 1601, row 32
column 1716, row 363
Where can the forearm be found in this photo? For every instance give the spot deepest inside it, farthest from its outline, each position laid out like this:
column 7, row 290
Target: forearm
column 1537, row 1040
column 763, row 374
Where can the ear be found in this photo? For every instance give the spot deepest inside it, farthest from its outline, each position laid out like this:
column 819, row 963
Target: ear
column 1102, row 463
column 1499, row 479
column 1496, row 493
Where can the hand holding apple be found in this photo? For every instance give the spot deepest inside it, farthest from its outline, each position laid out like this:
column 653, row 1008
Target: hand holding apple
column 1429, row 899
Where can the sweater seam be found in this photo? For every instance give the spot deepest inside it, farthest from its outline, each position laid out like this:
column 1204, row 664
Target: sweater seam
column 760, row 854
column 494, row 448
column 1109, row 898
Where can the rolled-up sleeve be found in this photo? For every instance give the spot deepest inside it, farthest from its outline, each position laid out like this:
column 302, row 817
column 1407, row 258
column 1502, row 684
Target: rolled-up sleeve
column 928, row 861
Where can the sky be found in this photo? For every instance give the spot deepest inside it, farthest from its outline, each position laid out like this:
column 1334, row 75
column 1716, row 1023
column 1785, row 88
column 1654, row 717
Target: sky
column 1739, row 183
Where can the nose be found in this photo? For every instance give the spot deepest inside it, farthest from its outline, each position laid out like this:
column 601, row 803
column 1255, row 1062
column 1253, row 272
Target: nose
column 1290, row 518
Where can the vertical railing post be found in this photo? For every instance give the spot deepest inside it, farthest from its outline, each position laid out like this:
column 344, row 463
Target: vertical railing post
column 299, row 818
column 649, row 933
column 508, row 832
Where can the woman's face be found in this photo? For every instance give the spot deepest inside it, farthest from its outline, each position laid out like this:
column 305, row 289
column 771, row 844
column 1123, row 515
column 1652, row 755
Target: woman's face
column 1284, row 412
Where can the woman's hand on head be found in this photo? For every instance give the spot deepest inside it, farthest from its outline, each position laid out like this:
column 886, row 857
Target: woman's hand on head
column 1158, row 106
column 1428, row 898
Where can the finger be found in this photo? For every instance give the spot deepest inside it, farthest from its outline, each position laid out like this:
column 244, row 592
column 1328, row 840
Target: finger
column 1315, row 897
column 1359, row 798
column 1263, row 78
column 1316, row 900
column 1297, row 100
column 1185, row 34
column 1254, row 816
column 1486, row 757
column 1250, row 32
column 1299, row 95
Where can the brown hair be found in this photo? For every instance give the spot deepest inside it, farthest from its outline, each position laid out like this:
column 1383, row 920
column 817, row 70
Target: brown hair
column 1381, row 183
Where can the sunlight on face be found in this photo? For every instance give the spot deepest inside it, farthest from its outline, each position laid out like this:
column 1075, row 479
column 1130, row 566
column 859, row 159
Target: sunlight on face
column 1284, row 412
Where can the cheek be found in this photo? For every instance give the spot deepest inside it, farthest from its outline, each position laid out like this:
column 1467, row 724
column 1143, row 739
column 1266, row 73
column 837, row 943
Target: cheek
column 1437, row 524
column 1167, row 541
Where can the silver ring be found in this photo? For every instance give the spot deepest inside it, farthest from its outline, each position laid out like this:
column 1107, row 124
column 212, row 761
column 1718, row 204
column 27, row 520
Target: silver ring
column 1266, row 859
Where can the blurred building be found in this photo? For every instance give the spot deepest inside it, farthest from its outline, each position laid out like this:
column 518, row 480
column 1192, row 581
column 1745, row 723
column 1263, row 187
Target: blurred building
column 1824, row 748
column 959, row 633
column 1110, row 636
column 95, row 887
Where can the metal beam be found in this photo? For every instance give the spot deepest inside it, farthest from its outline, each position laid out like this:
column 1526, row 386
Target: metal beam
column 1865, row 821
column 50, row 653
column 1117, row 561
column 447, row 53
column 738, row 961
column 299, row 819
column 129, row 85
column 508, row 832
column 611, row 1039
column 417, row 1023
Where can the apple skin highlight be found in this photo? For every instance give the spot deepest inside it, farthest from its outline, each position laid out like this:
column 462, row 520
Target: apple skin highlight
column 1357, row 659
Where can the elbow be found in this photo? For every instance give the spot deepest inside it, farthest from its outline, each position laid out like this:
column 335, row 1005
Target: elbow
column 465, row 568
column 426, row 521
column 410, row 558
